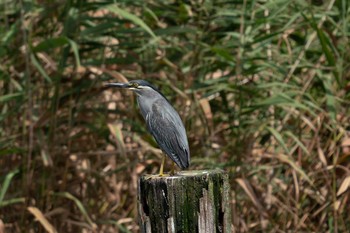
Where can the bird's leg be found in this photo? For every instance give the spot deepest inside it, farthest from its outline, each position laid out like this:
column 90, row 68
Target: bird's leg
column 162, row 166
column 172, row 169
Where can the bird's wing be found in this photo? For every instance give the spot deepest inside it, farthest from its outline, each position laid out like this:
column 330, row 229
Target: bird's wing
column 166, row 126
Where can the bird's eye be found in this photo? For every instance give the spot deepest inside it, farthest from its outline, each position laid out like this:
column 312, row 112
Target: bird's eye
column 135, row 85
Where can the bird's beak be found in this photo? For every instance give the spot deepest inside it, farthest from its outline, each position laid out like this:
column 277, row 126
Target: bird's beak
column 118, row 85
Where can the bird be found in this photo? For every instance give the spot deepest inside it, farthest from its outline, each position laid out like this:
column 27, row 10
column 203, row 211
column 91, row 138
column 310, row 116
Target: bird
column 163, row 122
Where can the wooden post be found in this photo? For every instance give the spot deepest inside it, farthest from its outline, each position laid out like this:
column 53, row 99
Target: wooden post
column 189, row 201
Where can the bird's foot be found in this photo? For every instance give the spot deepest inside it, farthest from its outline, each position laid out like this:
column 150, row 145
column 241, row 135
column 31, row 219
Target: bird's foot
column 172, row 172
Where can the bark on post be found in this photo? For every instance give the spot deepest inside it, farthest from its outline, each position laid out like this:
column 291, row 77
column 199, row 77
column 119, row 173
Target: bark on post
column 189, row 201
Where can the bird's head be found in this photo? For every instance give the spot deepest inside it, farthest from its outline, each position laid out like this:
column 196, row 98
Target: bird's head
column 141, row 87
column 132, row 85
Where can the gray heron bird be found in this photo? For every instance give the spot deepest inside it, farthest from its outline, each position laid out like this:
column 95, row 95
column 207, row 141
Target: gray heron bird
column 162, row 120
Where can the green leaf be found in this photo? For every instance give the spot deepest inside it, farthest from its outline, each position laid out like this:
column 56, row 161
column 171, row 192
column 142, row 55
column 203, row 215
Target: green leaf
column 6, row 184
column 75, row 51
column 295, row 166
column 79, row 205
column 12, row 201
column 278, row 137
column 40, row 68
column 133, row 18
column 274, row 100
column 297, row 141
column 285, row 100
column 330, row 97
column 325, row 45
column 50, row 43
column 9, row 97
column 55, row 43
column 224, row 53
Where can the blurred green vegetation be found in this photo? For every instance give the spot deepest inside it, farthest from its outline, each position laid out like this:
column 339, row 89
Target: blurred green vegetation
column 262, row 87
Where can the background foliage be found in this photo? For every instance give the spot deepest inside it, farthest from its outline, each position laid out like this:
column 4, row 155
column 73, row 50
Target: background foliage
column 262, row 87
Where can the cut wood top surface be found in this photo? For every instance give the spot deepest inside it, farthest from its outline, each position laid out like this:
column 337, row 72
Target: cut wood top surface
column 182, row 174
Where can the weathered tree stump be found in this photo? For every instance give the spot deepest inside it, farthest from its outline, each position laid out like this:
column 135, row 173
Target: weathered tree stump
column 189, row 201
